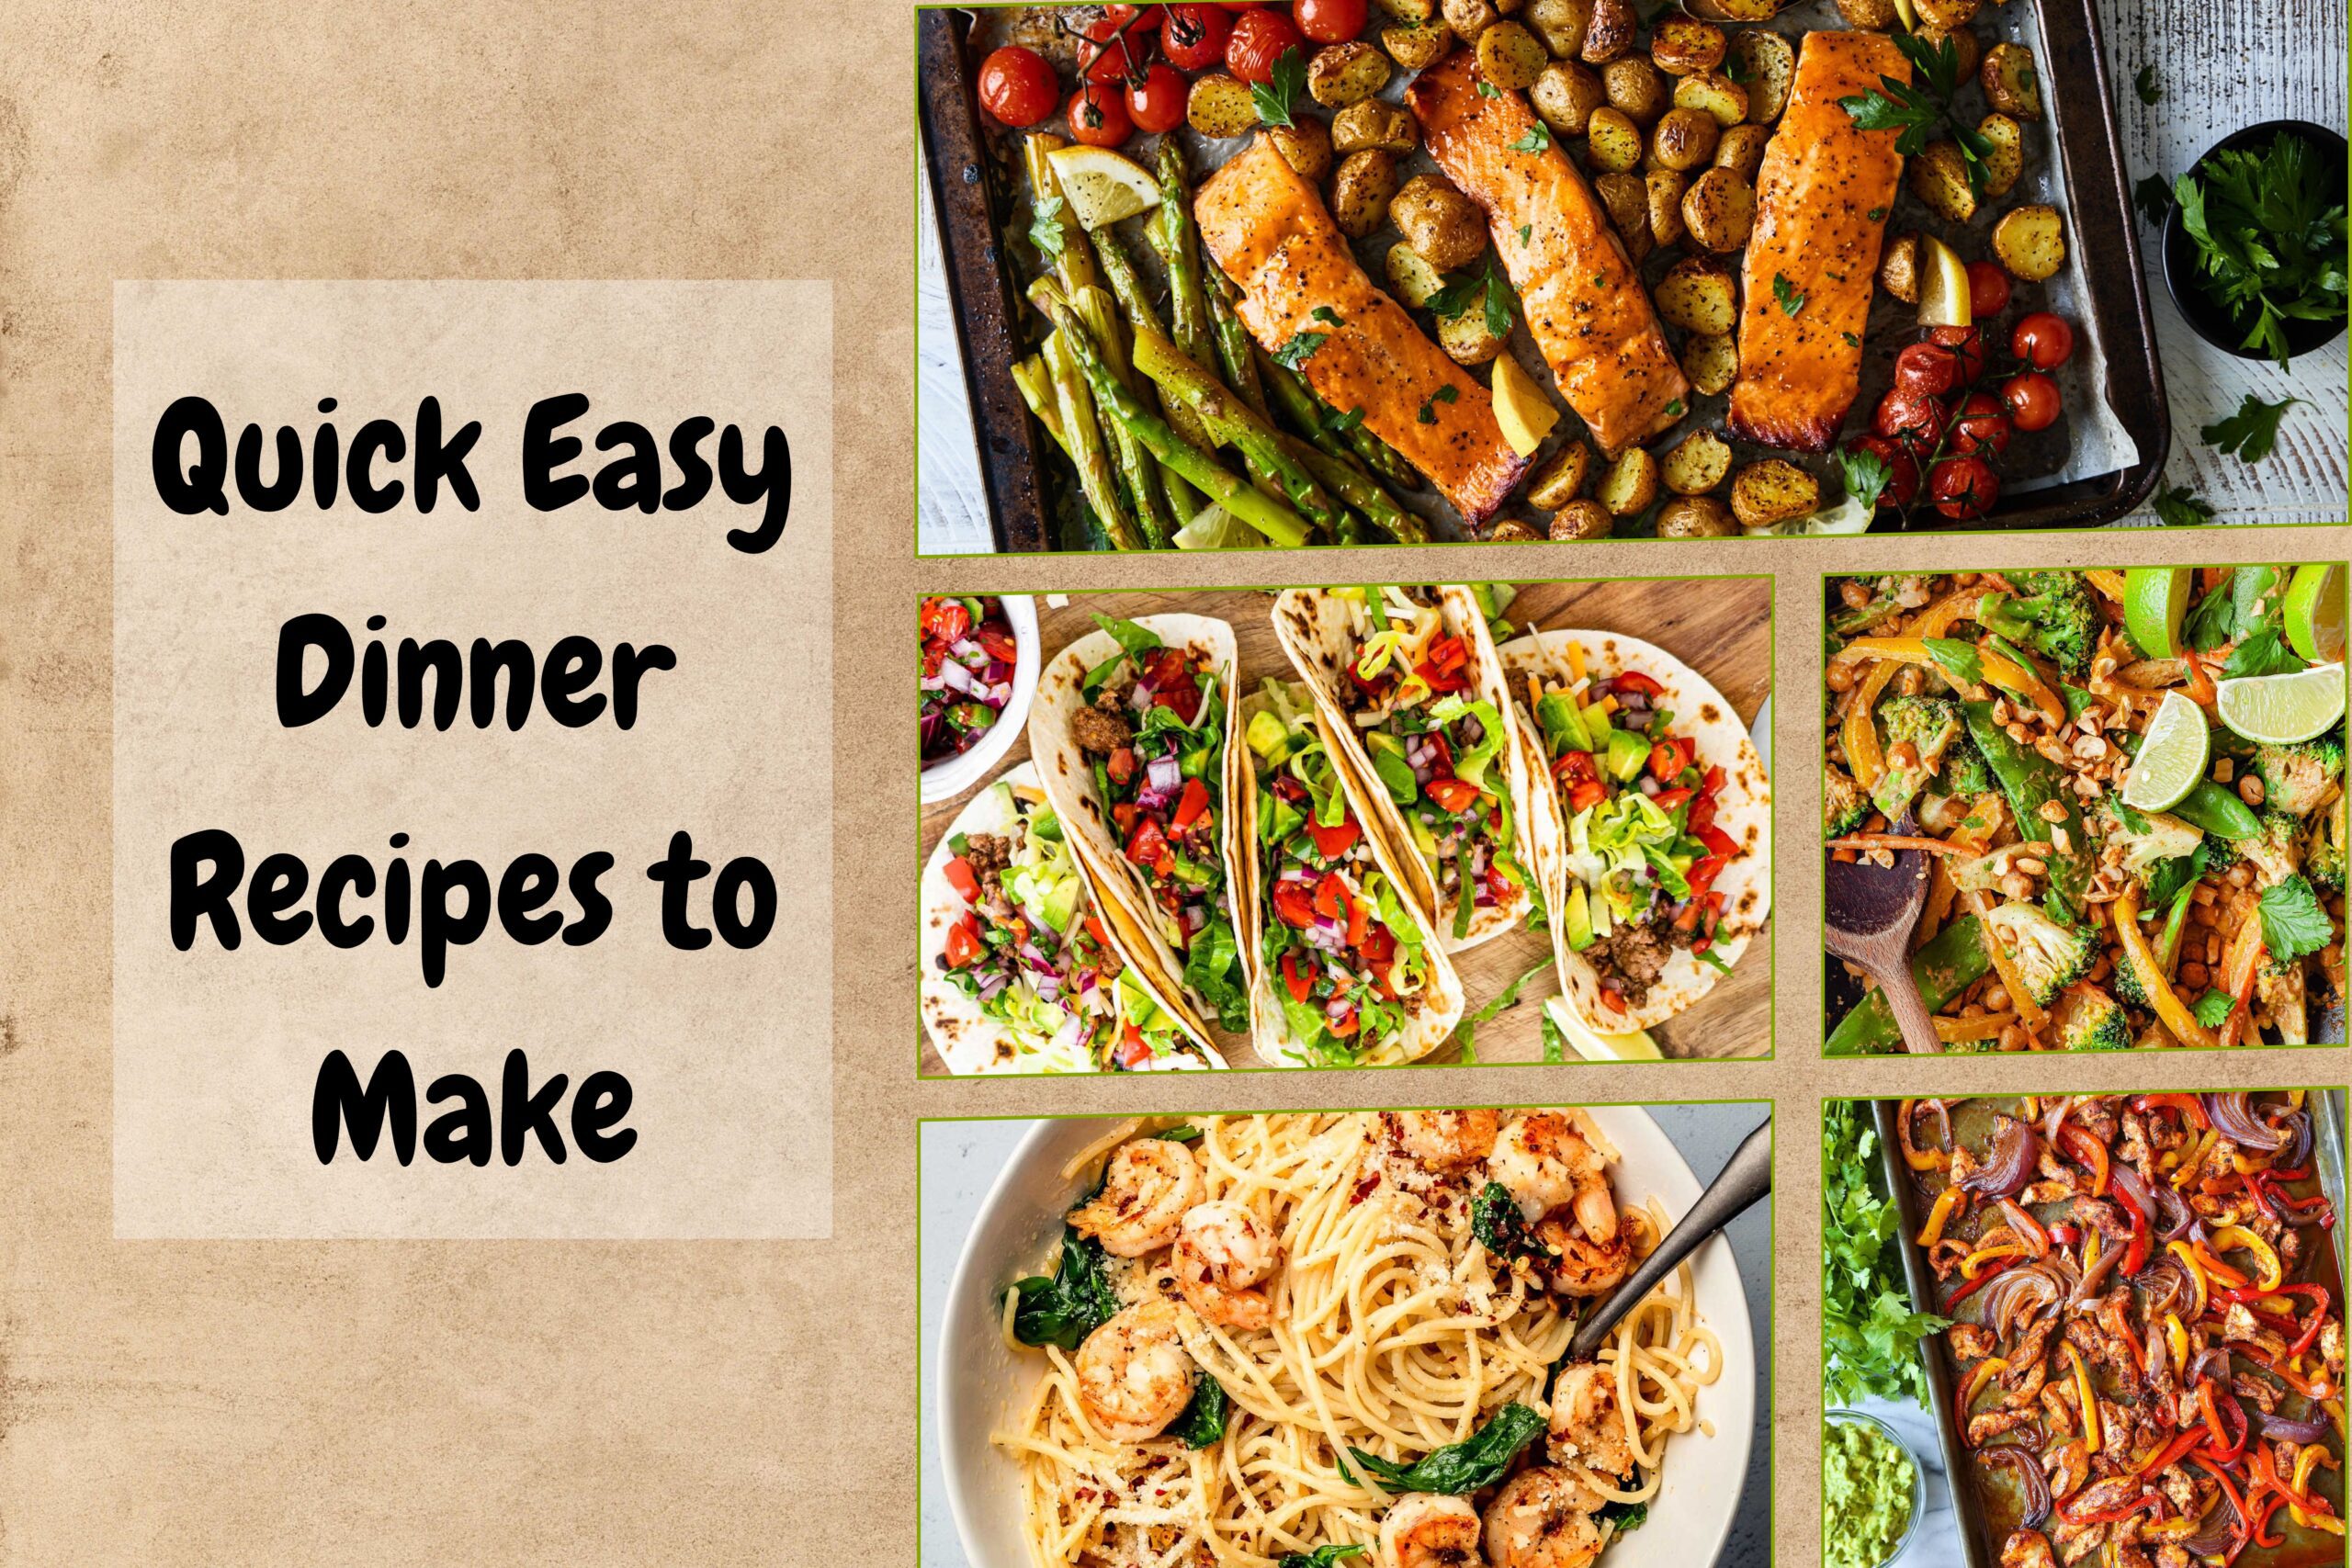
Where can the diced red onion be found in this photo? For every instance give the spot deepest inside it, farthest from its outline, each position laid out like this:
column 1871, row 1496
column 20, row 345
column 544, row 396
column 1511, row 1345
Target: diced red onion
column 956, row 677
column 1165, row 774
column 1650, row 787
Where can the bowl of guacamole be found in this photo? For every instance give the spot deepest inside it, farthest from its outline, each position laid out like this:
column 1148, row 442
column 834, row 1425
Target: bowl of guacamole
column 1872, row 1492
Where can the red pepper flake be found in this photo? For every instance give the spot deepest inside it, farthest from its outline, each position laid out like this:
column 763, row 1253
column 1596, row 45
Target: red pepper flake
column 1365, row 1189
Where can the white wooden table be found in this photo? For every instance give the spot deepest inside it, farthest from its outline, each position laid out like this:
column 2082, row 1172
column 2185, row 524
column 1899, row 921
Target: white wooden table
column 2220, row 65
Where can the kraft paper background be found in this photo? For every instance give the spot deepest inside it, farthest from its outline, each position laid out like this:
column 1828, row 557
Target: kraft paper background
column 594, row 1403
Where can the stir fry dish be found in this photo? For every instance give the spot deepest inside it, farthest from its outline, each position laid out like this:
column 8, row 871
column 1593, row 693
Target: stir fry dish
column 2129, row 789
column 969, row 651
column 2148, row 1322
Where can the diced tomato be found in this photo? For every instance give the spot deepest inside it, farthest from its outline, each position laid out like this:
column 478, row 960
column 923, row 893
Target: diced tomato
column 1612, row 1000
column 1587, row 792
column 1441, row 681
column 1688, row 921
column 1668, row 799
column 1376, row 946
column 1147, row 845
column 1333, row 842
column 1294, row 904
column 1440, row 754
column 1132, row 1051
column 1123, row 815
column 1634, row 680
column 1191, row 803
column 1344, row 1025
column 1094, row 929
column 1453, row 795
column 963, row 943
column 998, row 641
column 1498, row 884
column 1713, row 782
column 1358, row 919
column 1331, row 897
column 1718, row 841
column 960, row 877
column 1668, row 758
column 1299, row 985
column 1702, row 812
column 945, row 619
column 1120, row 765
column 1575, row 766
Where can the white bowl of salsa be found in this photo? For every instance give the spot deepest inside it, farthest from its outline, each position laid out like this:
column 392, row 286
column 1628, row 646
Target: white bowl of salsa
column 972, row 700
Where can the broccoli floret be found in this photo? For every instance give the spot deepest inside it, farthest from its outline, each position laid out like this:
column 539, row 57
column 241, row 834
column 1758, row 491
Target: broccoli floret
column 2090, row 1020
column 2049, row 956
column 2323, row 851
column 2126, row 980
column 2058, row 618
column 1927, row 726
column 1844, row 807
column 1965, row 774
column 2277, row 854
column 2148, row 839
column 2296, row 778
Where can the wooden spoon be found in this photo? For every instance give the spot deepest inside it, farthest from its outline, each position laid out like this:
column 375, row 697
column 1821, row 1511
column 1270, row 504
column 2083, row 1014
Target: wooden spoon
column 1873, row 910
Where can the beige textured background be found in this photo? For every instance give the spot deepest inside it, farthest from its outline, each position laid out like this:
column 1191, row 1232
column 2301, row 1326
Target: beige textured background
column 594, row 1402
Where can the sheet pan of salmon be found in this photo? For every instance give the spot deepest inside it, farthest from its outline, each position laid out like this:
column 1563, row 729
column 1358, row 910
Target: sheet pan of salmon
column 1323, row 272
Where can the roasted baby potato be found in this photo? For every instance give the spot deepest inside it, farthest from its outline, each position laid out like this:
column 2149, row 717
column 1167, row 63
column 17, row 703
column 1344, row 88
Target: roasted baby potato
column 1304, row 144
column 1898, row 268
column 1465, row 338
column 1515, row 531
column 1612, row 141
column 1416, row 46
column 2011, row 84
column 1346, row 73
column 1470, row 18
column 1716, row 96
column 1946, row 13
column 1630, row 485
column 1220, row 106
column 1610, row 32
column 1561, row 24
column 1371, row 126
column 1510, row 57
column 1582, row 520
column 1626, row 195
column 1636, row 88
column 1698, row 465
column 1697, row 295
column 1696, row 516
column 1940, row 177
column 2030, row 241
column 1772, row 490
column 1679, row 46
column 1878, row 16
column 1711, row 363
column 1684, row 139
column 1410, row 277
column 1719, row 208
column 1735, row 10
column 1410, row 13
column 1362, row 190
column 1566, row 94
column 1560, row 478
column 1741, row 150
column 1765, row 64
column 2005, row 152
column 1665, row 188
column 1446, row 227
column 1967, row 49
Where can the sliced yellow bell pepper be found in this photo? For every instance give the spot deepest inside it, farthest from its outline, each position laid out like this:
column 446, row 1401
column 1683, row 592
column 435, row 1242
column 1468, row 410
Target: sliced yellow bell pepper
column 1970, row 1265
column 2177, row 1337
column 2177, row 1017
column 2230, row 1238
column 2188, row 1257
column 2090, row 1396
column 2108, row 583
column 2030, row 1012
column 1997, row 670
column 1934, row 1229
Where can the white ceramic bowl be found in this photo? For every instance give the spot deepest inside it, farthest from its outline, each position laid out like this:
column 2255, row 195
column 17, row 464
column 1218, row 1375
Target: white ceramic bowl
column 1019, row 1227
column 945, row 781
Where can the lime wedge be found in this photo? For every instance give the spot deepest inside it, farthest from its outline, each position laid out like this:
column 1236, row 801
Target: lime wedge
column 1215, row 528
column 1943, row 286
column 1103, row 185
column 2316, row 614
column 2278, row 710
column 2155, row 599
column 1594, row 1047
column 2173, row 756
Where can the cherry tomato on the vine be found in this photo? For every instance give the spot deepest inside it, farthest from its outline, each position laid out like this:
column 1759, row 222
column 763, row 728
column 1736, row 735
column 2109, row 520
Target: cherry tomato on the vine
column 1098, row 116
column 1989, row 290
column 1907, row 416
column 1258, row 40
column 1903, row 469
column 1017, row 86
column 1968, row 342
column 2033, row 400
column 1965, row 487
column 2042, row 339
column 1980, row 427
column 1330, row 21
column 1927, row 369
column 1119, row 42
column 1192, row 37
column 1156, row 103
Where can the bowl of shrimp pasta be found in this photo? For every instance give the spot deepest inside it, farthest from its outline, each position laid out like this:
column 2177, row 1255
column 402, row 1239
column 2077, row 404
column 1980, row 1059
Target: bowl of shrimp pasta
column 1339, row 1339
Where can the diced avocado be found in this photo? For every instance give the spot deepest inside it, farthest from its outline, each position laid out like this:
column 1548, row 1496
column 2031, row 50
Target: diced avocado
column 1268, row 736
column 1423, row 840
column 1564, row 726
column 1061, row 903
column 1576, row 917
column 1628, row 754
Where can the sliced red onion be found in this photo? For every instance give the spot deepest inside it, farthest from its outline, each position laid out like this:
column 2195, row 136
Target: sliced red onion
column 2110, row 1259
column 2297, row 1125
column 2021, row 1295
column 2234, row 1120
column 2008, row 1164
column 1196, row 916
column 2308, row 1432
column 2218, row 1528
column 2166, row 1288
column 2020, row 1463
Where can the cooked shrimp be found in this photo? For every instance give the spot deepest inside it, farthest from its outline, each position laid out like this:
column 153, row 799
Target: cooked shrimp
column 1581, row 1267
column 1588, row 1425
column 1543, row 1518
column 1425, row 1531
column 1151, row 1183
column 1448, row 1140
column 1222, row 1257
column 1134, row 1376
column 1546, row 1166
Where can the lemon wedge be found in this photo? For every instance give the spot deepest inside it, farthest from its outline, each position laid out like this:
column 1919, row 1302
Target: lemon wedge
column 1103, row 185
column 1594, row 1046
column 1521, row 407
column 1943, row 286
column 1910, row 14
column 1843, row 516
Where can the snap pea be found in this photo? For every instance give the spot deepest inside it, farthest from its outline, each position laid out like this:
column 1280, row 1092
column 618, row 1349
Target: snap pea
column 2219, row 812
column 1948, row 966
column 2032, row 781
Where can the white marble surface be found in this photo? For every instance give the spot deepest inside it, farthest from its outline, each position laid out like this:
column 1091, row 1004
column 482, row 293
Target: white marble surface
column 960, row 1158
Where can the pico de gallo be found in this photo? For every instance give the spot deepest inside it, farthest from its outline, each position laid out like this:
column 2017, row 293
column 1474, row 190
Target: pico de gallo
column 1031, row 948
column 968, row 653
column 1437, row 746
column 1154, row 738
column 1638, row 804
column 1347, row 957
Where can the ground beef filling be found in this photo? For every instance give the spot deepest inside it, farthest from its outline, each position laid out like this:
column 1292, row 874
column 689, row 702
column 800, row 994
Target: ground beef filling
column 1101, row 730
column 1635, row 954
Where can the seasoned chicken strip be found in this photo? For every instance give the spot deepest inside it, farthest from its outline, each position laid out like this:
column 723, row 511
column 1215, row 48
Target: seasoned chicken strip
column 1585, row 307
column 1268, row 228
column 1822, row 198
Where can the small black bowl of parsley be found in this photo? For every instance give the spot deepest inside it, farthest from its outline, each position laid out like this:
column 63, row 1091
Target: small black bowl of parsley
column 2253, row 245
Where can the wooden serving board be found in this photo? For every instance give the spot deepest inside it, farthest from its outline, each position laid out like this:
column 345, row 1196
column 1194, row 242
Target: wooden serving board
column 1720, row 627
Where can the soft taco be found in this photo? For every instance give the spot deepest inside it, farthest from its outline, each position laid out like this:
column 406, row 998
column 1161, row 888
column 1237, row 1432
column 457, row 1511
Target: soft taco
column 1344, row 968
column 1132, row 730
column 1020, row 970
column 1651, row 822
column 1415, row 694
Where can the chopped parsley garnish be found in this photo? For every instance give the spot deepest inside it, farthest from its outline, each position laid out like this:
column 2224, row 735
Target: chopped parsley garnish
column 2249, row 433
column 1327, row 316
column 2144, row 84
column 2269, row 236
column 1046, row 229
column 1299, row 350
column 1784, row 293
column 1275, row 95
column 1914, row 111
column 1536, row 137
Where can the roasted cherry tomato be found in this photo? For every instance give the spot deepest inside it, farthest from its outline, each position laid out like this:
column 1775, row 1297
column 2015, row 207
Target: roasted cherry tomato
column 2033, row 399
column 1909, row 417
column 1989, row 290
column 1156, row 103
column 1968, row 342
column 1965, row 487
column 1192, row 37
column 1927, row 369
column 1098, row 116
column 1118, row 42
column 2042, row 339
column 1258, row 40
column 1330, row 21
column 1017, row 86
column 1902, row 468
column 1981, row 426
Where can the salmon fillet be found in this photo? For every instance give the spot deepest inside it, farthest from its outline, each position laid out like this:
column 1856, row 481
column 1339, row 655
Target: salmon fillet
column 1266, row 226
column 1822, row 198
column 1585, row 305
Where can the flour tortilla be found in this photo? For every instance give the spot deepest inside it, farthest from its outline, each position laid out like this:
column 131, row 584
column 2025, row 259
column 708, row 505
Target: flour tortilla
column 1069, row 778
column 1317, row 628
column 1743, row 810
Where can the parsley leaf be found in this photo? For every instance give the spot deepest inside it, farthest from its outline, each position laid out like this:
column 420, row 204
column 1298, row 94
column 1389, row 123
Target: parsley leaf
column 1428, row 404
column 1875, row 213
column 1870, row 1332
column 1524, row 231
column 2176, row 505
column 1321, row 1557
column 1185, row 1134
column 2153, row 196
column 1046, row 229
column 1536, row 137
column 1675, row 408
column 1275, row 95
column 1487, row 89
column 1327, row 316
column 1299, row 349
column 1912, row 111
column 1786, row 295
column 1851, row 340
column 2249, row 433
column 2292, row 921
column 2270, row 243
column 1867, row 474
column 1446, row 395
column 2144, row 84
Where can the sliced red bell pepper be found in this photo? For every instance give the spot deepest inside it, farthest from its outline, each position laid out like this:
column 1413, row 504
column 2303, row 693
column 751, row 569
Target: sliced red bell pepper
column 1979, row 1282
column 2185, row 1103
column 1191, row 803
column 2088, row 1151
